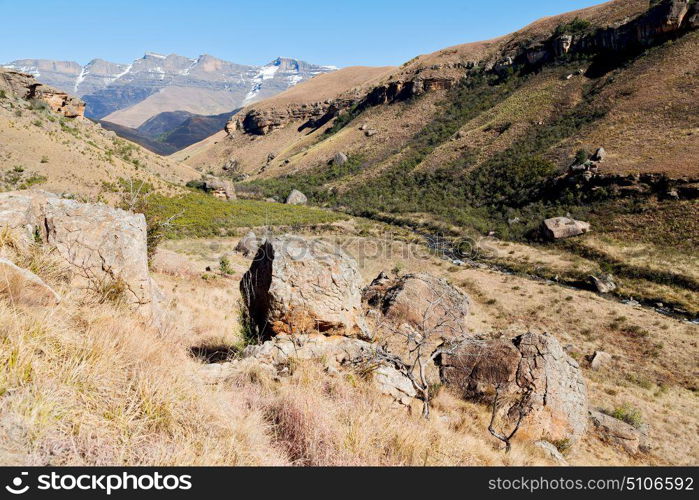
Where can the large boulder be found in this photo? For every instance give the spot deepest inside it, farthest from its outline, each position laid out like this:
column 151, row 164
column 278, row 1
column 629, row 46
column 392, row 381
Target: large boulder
column 416, row 309
column 105, row 247
column 563, row 227
column 532, row 368
column 419, row 302
column 298, row 285
column 25, row 287
column 296, row 197
column 220, row 188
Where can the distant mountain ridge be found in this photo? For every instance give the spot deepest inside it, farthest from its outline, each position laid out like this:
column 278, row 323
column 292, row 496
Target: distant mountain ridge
column 130, row 94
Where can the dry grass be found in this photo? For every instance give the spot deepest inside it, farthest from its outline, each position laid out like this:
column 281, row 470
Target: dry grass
column 91, row 384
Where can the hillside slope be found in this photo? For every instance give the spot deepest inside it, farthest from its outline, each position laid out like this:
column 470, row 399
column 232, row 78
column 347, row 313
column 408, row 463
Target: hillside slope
column 41, row 148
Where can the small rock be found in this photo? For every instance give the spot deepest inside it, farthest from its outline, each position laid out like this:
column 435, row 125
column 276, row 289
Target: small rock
column 370, row 132
column 550, row 450
column 340, row 158
column 296, row 197
column 599, row 155
column 604, row 283
column 600, row 359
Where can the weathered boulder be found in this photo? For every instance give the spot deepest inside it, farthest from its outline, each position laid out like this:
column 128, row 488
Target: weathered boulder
column 604, row 283
column 340, row 158
column 551, row 452
column 415, row 309
column 299, row 285
column 336, row 352
column 420, row 302
column 25, row 287
column 563, row 227
column 296, row 197
column 616, row 432
column 599, row 155
column 532, row 368
column 105, row 247
column 103, row 244
column 220, row 188
column 26, row 87
column 599, row 360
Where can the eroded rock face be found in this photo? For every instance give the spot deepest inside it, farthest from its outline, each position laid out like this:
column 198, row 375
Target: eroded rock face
column 101, row 244
column 25, row 86
column 563, row 227
column 298, row 285
column 531, row 366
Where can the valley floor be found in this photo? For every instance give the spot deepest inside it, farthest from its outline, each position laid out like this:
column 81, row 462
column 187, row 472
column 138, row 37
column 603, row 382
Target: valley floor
column 88, row 383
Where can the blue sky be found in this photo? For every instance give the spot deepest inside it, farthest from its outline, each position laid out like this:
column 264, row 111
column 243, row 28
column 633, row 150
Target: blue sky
column 366, row 32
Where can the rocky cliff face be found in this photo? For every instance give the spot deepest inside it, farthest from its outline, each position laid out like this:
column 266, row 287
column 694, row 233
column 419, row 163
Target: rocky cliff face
column 26, row 87
column 662, row 21
column 107, row 87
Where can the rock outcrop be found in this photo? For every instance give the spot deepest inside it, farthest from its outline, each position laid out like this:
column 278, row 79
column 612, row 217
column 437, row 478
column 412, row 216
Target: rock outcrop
column 220, row 188
column 26, row 87
column 105, row 247
column 298, row 285
column 24, row 287
column 296, row 197
column 604, row 283
column 558, row 228
column 616, row 432
column 532, row 368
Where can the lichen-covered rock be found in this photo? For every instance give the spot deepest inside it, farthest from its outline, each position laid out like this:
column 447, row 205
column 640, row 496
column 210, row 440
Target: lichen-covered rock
column 24, row 287
column 563, row 227
column 421, row 302
column 296, row 197
column 531, row 366
column 105, row 247
column 299, row 285
column 340, row 158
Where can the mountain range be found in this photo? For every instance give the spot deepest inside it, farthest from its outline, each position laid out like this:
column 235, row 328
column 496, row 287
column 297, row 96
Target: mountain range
column 128, row 95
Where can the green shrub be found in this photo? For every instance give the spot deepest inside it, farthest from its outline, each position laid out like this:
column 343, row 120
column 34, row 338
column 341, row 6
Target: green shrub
column 628, row 414
column 225, row 265
column 200, row 215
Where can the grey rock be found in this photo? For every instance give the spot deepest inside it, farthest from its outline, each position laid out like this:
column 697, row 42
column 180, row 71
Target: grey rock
column 563, row 227
column 299, row 285
column 296, row 197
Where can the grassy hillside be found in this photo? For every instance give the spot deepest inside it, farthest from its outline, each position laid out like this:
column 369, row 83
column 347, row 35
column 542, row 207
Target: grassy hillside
column 74, row 156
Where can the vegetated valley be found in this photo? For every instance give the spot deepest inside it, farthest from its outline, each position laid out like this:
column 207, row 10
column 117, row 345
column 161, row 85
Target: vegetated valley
column 485, row 256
